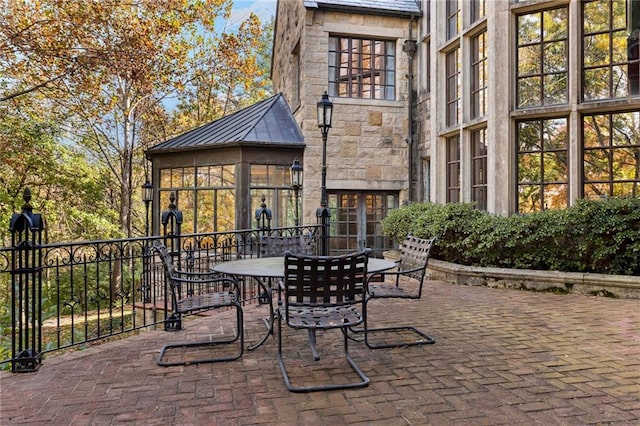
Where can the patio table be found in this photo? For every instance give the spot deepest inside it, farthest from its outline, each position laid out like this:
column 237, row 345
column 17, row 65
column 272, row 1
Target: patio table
column 273, row 268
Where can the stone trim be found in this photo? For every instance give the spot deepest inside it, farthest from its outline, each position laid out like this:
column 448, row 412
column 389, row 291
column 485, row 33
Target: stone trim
column 621, row 286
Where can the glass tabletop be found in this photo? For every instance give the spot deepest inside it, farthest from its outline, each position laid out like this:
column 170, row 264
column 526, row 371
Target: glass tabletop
column 273, row 267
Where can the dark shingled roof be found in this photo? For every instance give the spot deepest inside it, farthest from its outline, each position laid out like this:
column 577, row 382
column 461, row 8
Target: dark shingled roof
column 268, row 122
column 377, row 7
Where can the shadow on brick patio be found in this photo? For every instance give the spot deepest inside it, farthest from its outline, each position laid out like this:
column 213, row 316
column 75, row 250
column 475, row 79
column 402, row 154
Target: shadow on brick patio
column 501, row 357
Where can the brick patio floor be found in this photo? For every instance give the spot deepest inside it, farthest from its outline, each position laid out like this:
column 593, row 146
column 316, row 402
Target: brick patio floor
column 501, row 357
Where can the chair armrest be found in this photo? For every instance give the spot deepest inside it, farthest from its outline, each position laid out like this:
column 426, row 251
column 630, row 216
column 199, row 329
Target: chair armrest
column 235, row 288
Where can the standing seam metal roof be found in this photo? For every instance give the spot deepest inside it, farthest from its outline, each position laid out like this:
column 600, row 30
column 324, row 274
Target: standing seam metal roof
column 397, row 7
column 268, row 122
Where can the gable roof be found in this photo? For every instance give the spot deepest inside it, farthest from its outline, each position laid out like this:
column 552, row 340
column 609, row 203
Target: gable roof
column 268, row 122
column 375, row 7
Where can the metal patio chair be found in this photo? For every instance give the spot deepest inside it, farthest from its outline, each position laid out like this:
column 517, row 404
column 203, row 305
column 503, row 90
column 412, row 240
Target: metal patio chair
column 404, row 283
column 322, row 293
column 277, row 245
column 193, row 292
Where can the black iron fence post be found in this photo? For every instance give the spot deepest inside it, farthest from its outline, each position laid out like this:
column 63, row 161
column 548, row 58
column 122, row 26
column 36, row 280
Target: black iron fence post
column 171, row 231
column 26, row 288
column 263, row 216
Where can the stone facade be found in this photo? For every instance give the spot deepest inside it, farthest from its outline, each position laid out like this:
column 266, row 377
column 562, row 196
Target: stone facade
column 366, row 147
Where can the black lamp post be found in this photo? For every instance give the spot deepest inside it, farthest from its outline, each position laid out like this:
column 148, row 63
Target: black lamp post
column 296, row 184
column 147, row 197
column 325, row 111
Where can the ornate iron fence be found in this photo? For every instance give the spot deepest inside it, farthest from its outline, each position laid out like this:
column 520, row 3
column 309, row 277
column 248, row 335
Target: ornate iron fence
column 70, row 295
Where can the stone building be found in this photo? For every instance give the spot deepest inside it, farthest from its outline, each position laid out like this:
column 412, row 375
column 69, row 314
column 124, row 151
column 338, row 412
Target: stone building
column 517, row 106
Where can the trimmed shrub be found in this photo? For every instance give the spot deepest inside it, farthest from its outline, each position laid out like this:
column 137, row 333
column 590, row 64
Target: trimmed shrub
column 599, row 236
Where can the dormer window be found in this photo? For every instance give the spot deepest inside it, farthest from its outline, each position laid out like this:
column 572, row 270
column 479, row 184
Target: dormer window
column 362, row 68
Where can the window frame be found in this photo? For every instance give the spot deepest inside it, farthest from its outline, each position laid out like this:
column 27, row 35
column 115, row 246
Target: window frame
column 360, row 65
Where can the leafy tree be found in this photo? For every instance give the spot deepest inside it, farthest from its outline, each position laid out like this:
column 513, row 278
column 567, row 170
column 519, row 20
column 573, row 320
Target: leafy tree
column 110, row 65
column 62, row 183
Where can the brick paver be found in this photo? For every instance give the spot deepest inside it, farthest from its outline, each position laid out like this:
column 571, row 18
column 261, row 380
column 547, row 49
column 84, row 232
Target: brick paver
column 501, row 357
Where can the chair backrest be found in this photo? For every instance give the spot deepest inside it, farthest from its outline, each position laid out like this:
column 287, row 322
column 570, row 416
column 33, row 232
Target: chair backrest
column 277, row 245
column 324, row 280
column 165, row 257
column 414, row 255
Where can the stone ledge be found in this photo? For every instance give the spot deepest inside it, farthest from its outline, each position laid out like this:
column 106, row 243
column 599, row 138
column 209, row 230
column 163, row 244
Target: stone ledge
column 621, row 286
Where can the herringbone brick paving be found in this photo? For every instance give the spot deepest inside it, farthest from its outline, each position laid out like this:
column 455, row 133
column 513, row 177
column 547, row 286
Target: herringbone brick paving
column 502, row 357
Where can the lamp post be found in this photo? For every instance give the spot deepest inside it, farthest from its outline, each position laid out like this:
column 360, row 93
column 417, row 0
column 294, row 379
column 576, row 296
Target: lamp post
column 325, row 111
column 147, row 197
column 296, row 184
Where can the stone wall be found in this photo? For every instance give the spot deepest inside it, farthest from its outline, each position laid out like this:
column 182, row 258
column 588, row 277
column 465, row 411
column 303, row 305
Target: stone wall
column 621, row 286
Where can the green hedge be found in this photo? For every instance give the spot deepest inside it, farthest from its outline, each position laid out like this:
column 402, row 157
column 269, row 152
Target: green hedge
column 592, row 236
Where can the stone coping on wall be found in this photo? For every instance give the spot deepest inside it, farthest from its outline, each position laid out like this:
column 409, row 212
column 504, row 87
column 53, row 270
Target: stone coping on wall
column 621, row 286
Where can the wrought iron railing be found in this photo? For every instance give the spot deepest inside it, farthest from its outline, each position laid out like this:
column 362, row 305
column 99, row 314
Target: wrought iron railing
column 69, row 295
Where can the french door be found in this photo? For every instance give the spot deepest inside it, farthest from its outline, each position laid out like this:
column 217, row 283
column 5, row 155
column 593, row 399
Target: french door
column 356, row 220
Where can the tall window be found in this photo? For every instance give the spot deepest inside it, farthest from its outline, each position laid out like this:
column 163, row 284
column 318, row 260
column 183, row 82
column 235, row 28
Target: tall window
column 479, row 75
column 205, row 195
column 453, row 19
column 362, row 68
column 453, row 87
column 610, row 53
column 478, row 10
column 453, row 169
column 542, row 58
column 542, row 164
column 295, row 57
column 611, row 163
column 479, row 168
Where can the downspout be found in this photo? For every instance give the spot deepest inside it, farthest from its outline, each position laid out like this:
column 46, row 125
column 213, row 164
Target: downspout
column 410, row 46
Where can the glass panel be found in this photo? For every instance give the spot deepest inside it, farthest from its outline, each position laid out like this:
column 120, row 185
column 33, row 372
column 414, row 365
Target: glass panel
column 555, row 57
column 555, row 24
column 529, row 198
column 529, row 168
column 596, row 50
column 596, row 190
column 529, row 136
column 189, row 177
column 176, row 178
column 625, row 189
column 619, row 14
column 555, row 89
column 620, row 81
column 206, row 214
column 596, row 165
column 529, row 60
column 596, row 16
column 226, row 210
column 555, row 197
column 555, row 167
column 259, row 175
column 186, row 203
column 555, row 134
column 596, row 84
column 596, row 131
column 165, row 178
column 626, row 164
column 229, row 176
column 529, row 92
column 529, row 28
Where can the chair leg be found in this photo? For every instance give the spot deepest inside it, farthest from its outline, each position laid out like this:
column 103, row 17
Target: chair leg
column 364, row 380
column 238, row 335
column 422, row 338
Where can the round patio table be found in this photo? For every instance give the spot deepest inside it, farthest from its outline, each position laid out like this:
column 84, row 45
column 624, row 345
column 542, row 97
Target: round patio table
column 260, row 268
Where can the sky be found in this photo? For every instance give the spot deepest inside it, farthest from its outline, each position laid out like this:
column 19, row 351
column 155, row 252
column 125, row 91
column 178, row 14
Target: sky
column 242, row 8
